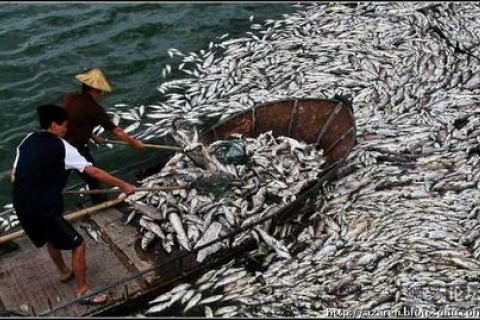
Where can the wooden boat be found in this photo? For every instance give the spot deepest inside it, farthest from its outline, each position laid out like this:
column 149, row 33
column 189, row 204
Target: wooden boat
column 327, row 123
column 116, row 264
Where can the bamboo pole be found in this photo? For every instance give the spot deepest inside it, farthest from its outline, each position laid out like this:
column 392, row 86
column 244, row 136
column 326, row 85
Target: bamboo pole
column 70, row 217
column 97, row 191
column 147, row 145
column 163, row 147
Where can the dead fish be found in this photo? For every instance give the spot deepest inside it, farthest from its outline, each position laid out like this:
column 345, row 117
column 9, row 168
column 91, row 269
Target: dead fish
column 147, row 239
column 149, row 211
column 224, row 310
column 211, row 299
column 326, row 251
column 90, row 231
column 231, row 279
column 193, row 302
column 212, row 233
column 471, row 237
column 280, row 249
column 158, row 308
column 178, row 227
column 130, row 217
column 189, row 294
column 153, row 227
column 208, row 312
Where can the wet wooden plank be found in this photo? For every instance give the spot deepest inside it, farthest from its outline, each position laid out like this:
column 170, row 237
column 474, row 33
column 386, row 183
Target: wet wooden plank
column 124, row 237
column 28, row 277
column 127, row 239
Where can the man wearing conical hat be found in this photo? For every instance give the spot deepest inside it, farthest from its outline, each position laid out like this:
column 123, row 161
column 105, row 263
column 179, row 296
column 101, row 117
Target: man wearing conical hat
column 84, row 114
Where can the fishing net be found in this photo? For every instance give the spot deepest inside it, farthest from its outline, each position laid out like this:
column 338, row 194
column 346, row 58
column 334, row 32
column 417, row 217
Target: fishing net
column 231, row 152
column 216, row 179
column 216, row 184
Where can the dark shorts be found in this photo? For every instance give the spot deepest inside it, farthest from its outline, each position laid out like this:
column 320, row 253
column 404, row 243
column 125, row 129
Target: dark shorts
column 56, row 230
column 62, row 235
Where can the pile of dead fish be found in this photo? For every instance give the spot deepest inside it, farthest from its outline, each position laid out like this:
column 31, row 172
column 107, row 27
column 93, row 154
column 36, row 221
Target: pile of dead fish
column 8, row 219
column 8, row 223
column 278, row 169
column 399, row 228
column 388, row 250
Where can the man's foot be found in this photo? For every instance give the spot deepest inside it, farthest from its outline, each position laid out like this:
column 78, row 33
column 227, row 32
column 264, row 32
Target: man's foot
column 92, row 300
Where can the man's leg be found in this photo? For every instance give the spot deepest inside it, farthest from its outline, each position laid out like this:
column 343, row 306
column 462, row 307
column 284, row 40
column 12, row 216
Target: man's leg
column 79, row 268
column 65, row 237
column 57, row 258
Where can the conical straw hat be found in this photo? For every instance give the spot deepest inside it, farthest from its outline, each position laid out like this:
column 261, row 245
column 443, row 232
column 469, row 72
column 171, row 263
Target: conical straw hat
column 95, row 79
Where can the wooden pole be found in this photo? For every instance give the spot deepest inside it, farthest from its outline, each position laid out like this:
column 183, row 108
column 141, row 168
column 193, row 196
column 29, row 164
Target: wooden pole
column 70, row 217
column 163, row 147
column 147, row 145
column 96, row 191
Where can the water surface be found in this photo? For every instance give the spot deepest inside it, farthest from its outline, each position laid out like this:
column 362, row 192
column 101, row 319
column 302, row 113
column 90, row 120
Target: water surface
column 44, row 45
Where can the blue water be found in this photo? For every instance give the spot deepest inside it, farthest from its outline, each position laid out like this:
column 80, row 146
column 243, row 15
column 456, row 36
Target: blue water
column 43, row 46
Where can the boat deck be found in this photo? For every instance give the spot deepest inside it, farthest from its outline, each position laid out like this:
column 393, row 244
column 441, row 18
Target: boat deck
column 29, row 280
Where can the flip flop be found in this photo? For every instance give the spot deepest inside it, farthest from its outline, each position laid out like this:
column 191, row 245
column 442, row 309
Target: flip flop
column 67, row 279
column 92, row 300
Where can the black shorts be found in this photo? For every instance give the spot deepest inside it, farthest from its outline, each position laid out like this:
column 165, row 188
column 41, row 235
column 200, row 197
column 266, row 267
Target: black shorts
column 56, row 230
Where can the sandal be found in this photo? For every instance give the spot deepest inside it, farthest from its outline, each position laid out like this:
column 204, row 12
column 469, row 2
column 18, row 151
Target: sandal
column 67, row 279
column 92, row 300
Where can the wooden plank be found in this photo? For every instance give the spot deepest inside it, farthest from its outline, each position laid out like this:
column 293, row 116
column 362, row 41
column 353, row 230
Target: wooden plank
column 124, row 237
column 28, row 277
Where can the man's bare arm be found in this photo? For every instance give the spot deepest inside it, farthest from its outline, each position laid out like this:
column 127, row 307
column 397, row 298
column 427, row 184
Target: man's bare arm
column 120, row 134
column 12, row 176
column 103, row 176
column 97, row 139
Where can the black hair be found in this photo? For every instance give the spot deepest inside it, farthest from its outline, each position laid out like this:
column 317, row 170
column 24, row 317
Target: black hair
column 86, row 88
column 49, row 113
